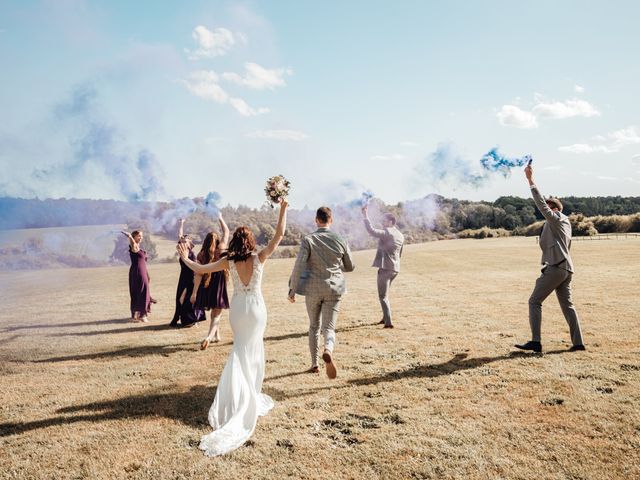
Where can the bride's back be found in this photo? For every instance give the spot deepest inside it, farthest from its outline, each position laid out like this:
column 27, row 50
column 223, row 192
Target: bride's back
column 245, row 269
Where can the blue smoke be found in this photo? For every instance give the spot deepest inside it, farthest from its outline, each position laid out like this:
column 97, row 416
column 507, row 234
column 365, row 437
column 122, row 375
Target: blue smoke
column 366, row 198
column 211, row 204
column 494, row 162
column 446, row 165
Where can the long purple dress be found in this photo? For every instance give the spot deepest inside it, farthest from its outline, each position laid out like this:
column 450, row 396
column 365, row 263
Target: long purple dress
column 139, row 283
column 185, row 313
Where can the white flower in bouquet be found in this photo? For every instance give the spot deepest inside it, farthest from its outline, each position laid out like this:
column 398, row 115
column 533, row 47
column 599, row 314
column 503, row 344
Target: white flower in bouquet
column 277, row 188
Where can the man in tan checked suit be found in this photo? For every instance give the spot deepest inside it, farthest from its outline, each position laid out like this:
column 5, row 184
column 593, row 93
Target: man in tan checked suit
column 557, row 270
column 318, row 275
column 390, row 244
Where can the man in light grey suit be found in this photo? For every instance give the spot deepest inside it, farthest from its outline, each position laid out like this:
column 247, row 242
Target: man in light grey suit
column 318, row 275
column 390, row 242
column 557, row 270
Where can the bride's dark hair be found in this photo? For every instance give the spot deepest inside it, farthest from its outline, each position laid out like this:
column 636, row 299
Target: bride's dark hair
column 242, row 244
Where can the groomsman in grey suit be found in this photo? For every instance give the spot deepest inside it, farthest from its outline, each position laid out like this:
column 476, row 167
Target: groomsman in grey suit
column 318, row 275
column 390, row 243
column 557, row 270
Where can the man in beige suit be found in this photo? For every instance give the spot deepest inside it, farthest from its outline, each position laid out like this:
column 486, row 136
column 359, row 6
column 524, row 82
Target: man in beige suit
column 318, row 275
column 557, row 270
column 390, row 243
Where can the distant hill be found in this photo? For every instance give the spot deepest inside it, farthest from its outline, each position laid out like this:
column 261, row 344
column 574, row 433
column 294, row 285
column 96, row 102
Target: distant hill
column 505, row 212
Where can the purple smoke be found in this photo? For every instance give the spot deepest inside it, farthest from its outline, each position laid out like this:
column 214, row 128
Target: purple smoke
column 100, row 146
column 167, row 214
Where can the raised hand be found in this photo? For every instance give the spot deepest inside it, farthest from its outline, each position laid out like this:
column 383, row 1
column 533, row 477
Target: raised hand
column 284, row 203
column 182, row 250
column 528, row 172
column 365, row 210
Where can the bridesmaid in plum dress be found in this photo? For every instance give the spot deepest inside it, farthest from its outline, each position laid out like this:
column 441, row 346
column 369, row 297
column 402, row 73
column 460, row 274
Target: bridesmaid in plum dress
column 138, row 278
column 210, row 289
column 185, row 313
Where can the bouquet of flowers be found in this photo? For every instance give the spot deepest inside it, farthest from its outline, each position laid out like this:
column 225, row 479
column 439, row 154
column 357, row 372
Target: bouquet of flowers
column 277, row 188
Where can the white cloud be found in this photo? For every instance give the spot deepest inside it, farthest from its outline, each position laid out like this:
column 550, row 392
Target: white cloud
column 603, row 177
column 204, row 84
column 212, row 43
column 244, row 109
column 635, row 159
column 258, row 77
column 566, row 109
column 394, row 156
column 512, row 116
column 279, row 135
column 611, row 143
column 551, row 167
column 626, row 136
column 409, row 143
column 578, row 89
column 585, row 148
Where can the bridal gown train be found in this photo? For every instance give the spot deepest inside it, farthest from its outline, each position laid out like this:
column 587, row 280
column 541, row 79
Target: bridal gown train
column 239, row 400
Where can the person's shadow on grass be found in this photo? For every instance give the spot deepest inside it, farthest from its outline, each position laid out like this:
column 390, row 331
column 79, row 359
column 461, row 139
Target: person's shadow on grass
column 188, row 407
column 457, row 363
column 132, row 352
column 91, row 323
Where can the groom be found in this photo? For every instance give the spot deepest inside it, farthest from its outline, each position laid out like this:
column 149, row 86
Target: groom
column 557, row 270
column 317, row 275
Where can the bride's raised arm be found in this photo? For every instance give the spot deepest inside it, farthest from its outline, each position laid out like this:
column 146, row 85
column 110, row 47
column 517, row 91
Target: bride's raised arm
column 279, row 235
column 221, row 264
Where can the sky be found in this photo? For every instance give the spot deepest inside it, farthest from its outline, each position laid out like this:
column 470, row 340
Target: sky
column 162, row 100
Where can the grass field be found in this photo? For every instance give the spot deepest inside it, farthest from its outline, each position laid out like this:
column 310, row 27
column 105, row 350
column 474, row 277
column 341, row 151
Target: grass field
column 85, row 394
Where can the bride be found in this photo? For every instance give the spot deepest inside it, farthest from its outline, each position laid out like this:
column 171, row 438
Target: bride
column 239, row 400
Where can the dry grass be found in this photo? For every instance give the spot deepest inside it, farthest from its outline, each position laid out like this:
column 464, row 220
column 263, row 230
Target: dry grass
column 84, row 394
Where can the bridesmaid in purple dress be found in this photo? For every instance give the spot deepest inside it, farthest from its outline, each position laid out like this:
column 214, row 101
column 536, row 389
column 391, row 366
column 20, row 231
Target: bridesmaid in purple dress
column 184, row 312
column 138, row 278
column 210, row 289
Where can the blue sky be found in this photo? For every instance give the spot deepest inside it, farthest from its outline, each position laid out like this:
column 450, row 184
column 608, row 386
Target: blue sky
column 161, row 100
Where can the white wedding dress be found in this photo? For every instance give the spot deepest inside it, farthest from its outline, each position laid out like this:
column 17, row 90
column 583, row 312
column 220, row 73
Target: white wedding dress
column 239, row 400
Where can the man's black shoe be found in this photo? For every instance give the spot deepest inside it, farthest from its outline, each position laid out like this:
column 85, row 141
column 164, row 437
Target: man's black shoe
column 535, row 346
column 577, row 348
